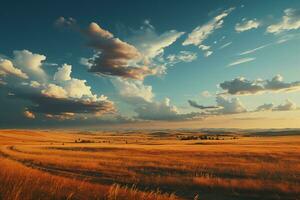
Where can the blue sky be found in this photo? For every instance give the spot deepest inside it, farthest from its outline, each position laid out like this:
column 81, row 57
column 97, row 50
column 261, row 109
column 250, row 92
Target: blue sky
column 148, row 59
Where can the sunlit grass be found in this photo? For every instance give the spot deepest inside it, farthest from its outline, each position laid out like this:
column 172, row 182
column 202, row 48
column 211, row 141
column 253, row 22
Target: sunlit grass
column 120, row 166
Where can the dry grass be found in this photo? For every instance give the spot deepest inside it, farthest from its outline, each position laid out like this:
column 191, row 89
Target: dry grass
column 22, row 183
column 130, row 166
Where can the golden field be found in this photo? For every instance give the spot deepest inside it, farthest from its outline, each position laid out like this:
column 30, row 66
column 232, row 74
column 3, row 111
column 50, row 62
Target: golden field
column 162, row 165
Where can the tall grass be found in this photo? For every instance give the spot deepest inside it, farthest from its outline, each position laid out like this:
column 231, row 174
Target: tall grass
column 264, row 167
column 22, row 183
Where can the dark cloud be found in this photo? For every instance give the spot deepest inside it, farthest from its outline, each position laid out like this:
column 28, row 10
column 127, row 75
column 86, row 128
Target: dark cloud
column 286, row 106
column 265, row 107
column 39, row 102
column 59, row 106
column 115, row 57
column 196, row 105
column 242, row 86
column 60, row 97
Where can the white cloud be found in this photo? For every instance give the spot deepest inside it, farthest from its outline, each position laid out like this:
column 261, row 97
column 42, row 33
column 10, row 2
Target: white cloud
column 201, row 33
column 207, row 53
column 157, row 111
column 290, row 21
column 230, row 106
column 55, row 91
column 241, row 61
column 151, row 44
column 6, row 67
column 204, row 47
column 74, row 88
column 225, row 45
column 182, row 56
column 133, row 89
column 247, row 25
column 77, row 88
column 30, row 63
column 254, row 50
column 206, row 50
column 141, row 97
column 63, row 73
column 62, row 94
column 162, row 111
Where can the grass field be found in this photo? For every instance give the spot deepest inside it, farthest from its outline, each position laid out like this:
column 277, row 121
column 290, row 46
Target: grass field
column 148, row 165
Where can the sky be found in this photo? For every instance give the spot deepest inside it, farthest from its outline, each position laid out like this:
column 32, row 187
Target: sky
column 150, row 64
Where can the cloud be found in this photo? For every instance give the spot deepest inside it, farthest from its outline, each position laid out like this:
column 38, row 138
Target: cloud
column 162, row 111
column 290, row 21
column 141, row 56
column 196, row 105
column 7, row 68
column 247, row 25
column 265, row 107
column 208, row 53
column 133, row 89
column 61, row 116
column 29, row 115
column 242, row 86
column 241, row 61
column 54, row 91
column 30, row 63
column 254, row 50
column 60, row 95
column 63, row 73
column 52, row 105
column 77, row 88
column 151, row 44
column 115, row 57
column 280, row 40
column 288, row 105
column 157, row 110
column 225, row 45
column 229, row 106
column 206, row 49
column 141, row 98
column 182, row 56
column 206, row 94
column 35, row 84
column 65, row 22
column 201, row 33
